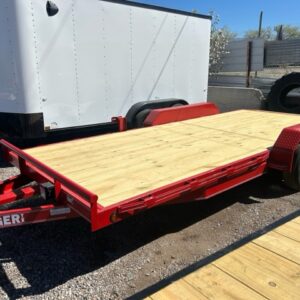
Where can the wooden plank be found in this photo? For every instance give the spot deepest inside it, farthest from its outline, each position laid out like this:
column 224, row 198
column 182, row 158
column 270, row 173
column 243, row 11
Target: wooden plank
column 267, row 273
column 122, row 165
column 190, row 136
column 257, row 124
column 179, row 290
column 254, row 271
column 297, row 220
column 182, row 150
column 281, row 245
column 290, row 230
column 216, row 284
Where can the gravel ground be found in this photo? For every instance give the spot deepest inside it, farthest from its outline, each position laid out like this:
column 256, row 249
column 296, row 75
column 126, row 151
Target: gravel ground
column 63, row 260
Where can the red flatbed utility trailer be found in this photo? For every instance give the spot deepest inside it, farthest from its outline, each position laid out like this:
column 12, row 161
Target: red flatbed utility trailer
column 107, row 178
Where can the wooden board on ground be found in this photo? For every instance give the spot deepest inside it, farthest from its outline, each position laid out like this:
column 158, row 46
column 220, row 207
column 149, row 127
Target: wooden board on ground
column 122, row 165
column 266, row 268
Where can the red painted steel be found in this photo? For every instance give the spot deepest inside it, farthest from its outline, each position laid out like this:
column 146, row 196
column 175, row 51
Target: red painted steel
column 13, row 183
column 81, row 200
column 122, row 123
column 24, row 216
column 21, row 194
column 180, row 113
column 283, row 152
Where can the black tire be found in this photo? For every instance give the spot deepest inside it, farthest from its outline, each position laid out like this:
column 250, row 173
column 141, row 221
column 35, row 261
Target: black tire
column 154, row 104
column 140, row 118
column 292, row 180
column 277, row 98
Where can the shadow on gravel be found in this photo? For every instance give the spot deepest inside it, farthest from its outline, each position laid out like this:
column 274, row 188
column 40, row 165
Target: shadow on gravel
column 48, row 255
column 4, row 164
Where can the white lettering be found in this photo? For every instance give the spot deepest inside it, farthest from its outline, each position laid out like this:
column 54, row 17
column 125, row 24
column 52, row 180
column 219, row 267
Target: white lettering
column 6, row 220
column 11, row 219
column 15, row 219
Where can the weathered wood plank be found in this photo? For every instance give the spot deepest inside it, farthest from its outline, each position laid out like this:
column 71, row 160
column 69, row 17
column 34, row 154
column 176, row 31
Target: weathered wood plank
column 297, row 220
column 267, row 273
column 281, row 245
column 290, row 230
column 250, row 272
column 216, row 284
column 179, row 290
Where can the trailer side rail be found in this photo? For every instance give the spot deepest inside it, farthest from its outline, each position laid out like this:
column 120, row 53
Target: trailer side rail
column 66, row 191
column 200, row 187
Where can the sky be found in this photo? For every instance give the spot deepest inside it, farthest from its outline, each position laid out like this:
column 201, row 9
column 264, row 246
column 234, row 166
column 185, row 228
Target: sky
column 240, row 16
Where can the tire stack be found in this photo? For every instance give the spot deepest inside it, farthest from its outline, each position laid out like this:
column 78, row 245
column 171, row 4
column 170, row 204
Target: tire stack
column 279, row 98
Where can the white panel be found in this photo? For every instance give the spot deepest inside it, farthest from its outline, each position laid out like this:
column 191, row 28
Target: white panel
column 183, row 57
column 95, row 59
column 94, row 104
column 153, row 34
column 57, row 64
column 145, row 30
column 10, row 85
column 163, row 86
column 118, row 54
column 200, row 37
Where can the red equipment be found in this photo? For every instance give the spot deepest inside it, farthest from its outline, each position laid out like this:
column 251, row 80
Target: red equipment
column 65, row 198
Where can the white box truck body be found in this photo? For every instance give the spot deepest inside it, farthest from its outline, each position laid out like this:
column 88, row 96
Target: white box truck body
column 78, row 63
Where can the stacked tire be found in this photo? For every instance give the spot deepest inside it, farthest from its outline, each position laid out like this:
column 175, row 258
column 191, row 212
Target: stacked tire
column 278, row 99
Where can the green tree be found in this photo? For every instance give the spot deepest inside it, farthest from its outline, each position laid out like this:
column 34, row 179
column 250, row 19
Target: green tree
column 269, row 33
column 289, row 31
column 220, row 37
column 228, row 33
column 266, row 33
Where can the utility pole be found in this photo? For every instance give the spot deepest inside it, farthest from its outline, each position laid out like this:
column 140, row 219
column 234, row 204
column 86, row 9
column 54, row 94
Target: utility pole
column 260, row 24
column 279, row 33
column 259, row 29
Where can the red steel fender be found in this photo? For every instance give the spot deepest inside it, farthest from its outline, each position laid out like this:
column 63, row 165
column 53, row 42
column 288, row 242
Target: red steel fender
column 283, row 153
column 180, row 113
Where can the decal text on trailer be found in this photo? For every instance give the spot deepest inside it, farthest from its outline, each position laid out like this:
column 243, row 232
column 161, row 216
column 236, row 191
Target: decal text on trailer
column 13, row 219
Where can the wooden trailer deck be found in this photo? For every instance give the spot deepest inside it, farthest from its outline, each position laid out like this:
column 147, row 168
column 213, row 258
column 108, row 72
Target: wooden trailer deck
column 265, row 268
column 122, row 165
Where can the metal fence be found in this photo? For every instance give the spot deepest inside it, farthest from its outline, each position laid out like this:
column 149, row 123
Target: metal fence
column 262, row 54
column 278, row 53
column 240, row 53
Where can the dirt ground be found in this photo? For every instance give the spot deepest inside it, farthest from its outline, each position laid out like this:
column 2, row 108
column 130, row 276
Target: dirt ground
column 63, row 260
